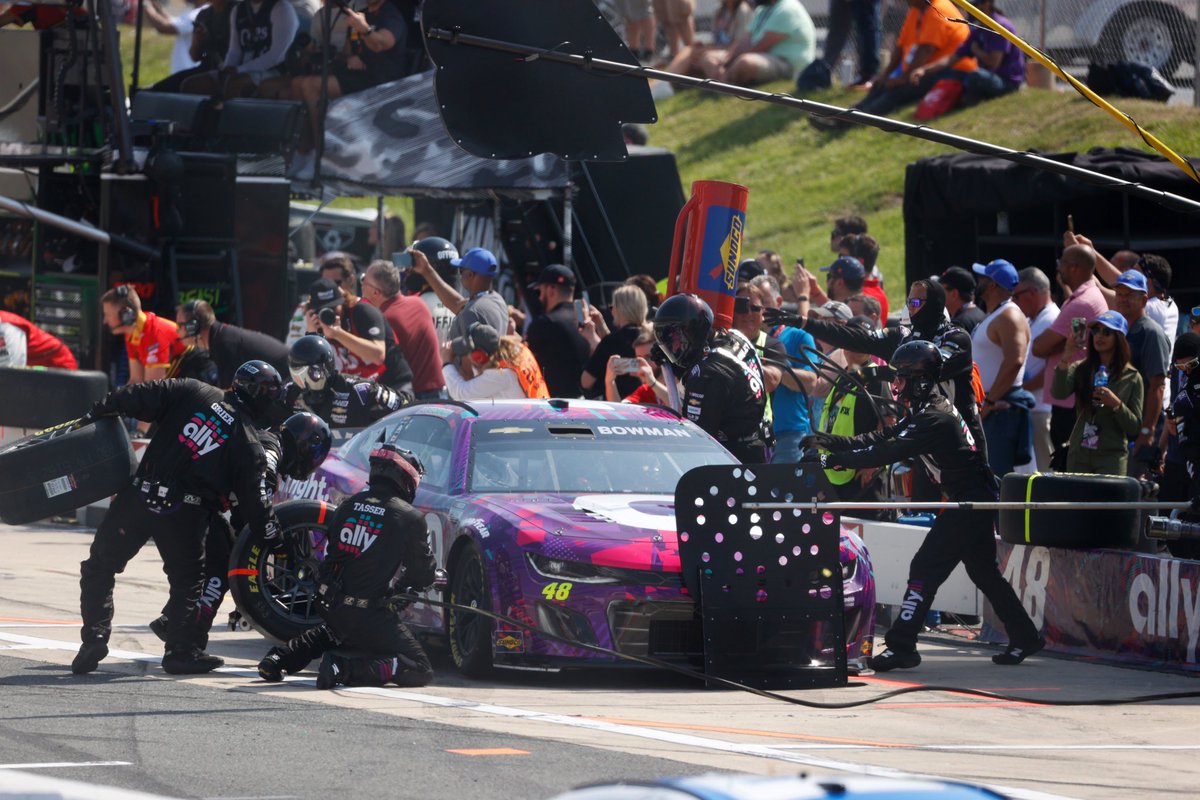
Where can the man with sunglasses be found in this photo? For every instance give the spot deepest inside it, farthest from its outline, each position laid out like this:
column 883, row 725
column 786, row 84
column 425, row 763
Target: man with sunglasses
column 1149, row 353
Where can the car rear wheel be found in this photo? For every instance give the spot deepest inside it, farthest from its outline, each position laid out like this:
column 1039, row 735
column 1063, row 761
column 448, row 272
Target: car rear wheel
column 470, row 634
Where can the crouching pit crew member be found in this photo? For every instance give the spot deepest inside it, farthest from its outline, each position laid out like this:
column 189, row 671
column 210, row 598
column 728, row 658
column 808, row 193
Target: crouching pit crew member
column 722, row 377
column 206, row 447
column 343, row 401
column 933, row 431
column 378, row 547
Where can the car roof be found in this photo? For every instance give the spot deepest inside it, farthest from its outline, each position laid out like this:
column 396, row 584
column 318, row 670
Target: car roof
column 553, row 409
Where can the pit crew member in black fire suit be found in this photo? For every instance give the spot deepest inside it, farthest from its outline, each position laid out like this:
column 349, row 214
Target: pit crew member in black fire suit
column 299, row 448
column 206, row 447
column 1181, row 473
column 926, row 321
column 933, row 431
column 378, row 546
column 722, row 377
column 344, row 401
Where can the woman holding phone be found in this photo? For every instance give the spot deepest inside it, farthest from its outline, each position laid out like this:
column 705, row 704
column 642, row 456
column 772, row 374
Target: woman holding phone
column 651, row 389
column 1108, row 412
column 629, row 323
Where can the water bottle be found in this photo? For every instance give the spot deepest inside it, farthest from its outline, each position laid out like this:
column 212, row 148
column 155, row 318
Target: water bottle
column 1101, row 379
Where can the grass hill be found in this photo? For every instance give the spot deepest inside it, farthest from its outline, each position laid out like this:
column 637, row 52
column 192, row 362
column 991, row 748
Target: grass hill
column 801, row 179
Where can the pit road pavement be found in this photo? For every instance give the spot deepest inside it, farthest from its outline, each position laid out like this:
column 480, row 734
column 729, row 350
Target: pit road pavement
column 530, row 735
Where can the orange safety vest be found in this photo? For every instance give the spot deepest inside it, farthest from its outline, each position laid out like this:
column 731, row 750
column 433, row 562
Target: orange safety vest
column 529, row 374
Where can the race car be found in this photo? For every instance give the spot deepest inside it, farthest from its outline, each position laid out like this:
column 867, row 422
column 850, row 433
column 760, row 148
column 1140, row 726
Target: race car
column 559, row 514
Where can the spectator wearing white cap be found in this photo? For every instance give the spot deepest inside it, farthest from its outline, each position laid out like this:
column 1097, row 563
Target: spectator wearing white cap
column 999, row 344
column 1032, row 296
column 1150, row 355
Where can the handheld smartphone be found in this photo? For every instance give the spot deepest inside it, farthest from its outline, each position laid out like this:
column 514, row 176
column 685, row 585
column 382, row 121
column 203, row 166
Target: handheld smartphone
column 1071, row 223
column 626, row 366
column 579, row 316
column 1078, row 324
column 402, row 260
column 799, row 261
column 1079, row 331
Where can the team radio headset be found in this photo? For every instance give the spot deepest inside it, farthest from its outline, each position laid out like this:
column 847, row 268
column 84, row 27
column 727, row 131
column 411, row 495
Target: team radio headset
column 126, row 316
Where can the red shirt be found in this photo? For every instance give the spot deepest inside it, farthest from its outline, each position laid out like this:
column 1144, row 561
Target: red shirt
column 41, row 348
column 410, row 320
column 152, row 340
column 644, row 394
column 871, row 286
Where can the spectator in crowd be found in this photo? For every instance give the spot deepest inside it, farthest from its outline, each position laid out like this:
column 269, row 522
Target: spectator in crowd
column 749, row 305
column 843, row 227
column 412, row 325
column 779, row 43
column 1160, row 307
column 1000, row 63
column 261, row 34
column 362, row 341
column 554, row 336
column 651, row 389
column 867, row 20
column 845, row 279
column 629, row 322
column 649, row 290
column 181, row 27
column 729, row 23
column 960, row 298
column 484, row 365
column 228, row 345
column 638, row 16
column 150, row 340
column 791, row 404
column 929, row 34
column 334, row 266
column 770, row 261
column 721, row 375
column 1032, row 296
column 998, row 345
column 1106, row 416
column 441, row 254
column 1084, row 302
column 477, row 271
column 374, row 53
column 23, row 344
column 865, row 248
column 1150, row 355
column 678, row 26
column 316, row 46
column 865, row 305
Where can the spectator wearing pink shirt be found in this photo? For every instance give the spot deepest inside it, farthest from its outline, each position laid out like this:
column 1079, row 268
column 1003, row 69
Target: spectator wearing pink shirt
column 1076, row 273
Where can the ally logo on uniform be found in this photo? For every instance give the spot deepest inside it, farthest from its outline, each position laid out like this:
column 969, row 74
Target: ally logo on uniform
column 722, row 249
column 203, row 434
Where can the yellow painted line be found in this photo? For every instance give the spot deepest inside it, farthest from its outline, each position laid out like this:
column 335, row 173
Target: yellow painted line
column 750, row 732
column 490, row 751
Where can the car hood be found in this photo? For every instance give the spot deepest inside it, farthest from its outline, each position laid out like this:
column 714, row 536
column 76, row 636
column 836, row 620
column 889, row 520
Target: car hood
column 628, row 531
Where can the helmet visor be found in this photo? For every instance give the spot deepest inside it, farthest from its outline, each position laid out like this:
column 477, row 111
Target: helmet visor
column 311, row 377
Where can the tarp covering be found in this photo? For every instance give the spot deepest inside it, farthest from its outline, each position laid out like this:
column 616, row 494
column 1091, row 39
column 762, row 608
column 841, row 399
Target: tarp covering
column 390, row 140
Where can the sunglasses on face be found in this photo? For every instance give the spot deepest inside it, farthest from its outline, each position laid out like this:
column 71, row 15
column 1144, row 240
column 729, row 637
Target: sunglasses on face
column 1101, row 329
column 742, row 305
column 916, row 302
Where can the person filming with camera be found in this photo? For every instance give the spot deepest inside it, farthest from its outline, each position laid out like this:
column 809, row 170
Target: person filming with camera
column 363, row 343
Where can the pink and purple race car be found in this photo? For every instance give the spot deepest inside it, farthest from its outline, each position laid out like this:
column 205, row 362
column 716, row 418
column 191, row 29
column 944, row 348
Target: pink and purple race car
column 560, row 514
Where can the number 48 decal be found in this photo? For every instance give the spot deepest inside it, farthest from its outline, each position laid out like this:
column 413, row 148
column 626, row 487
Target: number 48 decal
column 557, row 591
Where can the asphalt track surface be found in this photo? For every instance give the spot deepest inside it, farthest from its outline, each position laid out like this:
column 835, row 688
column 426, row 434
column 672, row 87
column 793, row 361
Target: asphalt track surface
column 532, row 735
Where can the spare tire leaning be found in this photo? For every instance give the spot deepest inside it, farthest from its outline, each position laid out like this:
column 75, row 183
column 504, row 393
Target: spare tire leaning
column 59, row 470
column 39, row 398
column 1075, row 529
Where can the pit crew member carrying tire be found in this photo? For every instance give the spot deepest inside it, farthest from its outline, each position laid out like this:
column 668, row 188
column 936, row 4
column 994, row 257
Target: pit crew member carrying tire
column 378, row 546
column 934, row 432
column 206, row 447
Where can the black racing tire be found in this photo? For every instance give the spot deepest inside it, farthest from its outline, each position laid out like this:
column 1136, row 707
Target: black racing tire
column 470, row 634
column 39, row 398
column 1077, row 530
column 59, row 470
column 276, row 590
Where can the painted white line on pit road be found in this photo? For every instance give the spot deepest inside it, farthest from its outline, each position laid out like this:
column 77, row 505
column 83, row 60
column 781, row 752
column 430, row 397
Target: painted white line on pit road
column 60, row 764
column 989, row 747
column 641, row 732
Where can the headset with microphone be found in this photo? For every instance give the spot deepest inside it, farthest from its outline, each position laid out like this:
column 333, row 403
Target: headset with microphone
column 191, row 326
column 127, row 315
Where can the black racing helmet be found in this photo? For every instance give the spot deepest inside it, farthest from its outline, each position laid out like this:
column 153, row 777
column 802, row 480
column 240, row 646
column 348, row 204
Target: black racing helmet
column 259, row 390
column 920, row 364
column 310, row 362
column 440, row 253
column 305, row 440
column 397, row 465
column 681, row 326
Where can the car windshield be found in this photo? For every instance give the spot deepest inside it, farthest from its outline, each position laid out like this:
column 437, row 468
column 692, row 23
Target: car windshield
column 588, row 457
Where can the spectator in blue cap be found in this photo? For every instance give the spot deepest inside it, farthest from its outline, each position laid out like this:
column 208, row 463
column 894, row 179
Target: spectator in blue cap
column 1106, row 417
column 846, row 278
column 1150, row 355
column 477, row 270
column 999, row 344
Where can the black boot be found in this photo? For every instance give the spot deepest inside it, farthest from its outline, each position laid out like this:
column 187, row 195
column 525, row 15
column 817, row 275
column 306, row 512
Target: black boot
column 189, row 661
column 333, row 671
column 89, row 657
column 1015, row 654
column 159, row 627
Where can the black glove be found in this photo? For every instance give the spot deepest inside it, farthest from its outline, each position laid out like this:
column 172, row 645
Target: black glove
column 810, row 456
column 777, row 316
column 819, row 441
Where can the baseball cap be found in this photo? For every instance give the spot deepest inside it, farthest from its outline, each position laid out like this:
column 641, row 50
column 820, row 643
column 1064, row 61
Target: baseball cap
column 480, row 336
column 477, row 259
column 957, row 278
column 834, row 309
column 324, row 293
column 1133, row 279
column 846, row 267
column 862, row 321
column 749, row 269
column 1002, row 272
column 1113, row 321
column 555, row 275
